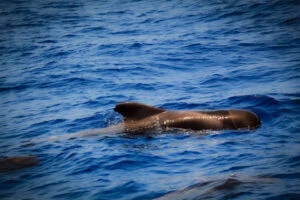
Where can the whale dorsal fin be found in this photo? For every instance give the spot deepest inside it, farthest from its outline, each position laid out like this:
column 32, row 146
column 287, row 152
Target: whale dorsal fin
column 136, row 111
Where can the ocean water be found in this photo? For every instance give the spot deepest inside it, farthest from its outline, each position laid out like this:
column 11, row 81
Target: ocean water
column 65, row 64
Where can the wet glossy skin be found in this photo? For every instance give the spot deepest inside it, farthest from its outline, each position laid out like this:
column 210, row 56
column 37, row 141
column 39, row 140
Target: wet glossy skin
column 140, row 117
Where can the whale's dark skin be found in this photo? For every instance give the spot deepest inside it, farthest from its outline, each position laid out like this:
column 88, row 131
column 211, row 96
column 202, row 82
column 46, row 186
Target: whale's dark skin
column 141, row 118
column 17, row 162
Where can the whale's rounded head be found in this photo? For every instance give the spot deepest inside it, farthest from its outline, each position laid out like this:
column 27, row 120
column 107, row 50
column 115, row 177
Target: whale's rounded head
column 245, row 119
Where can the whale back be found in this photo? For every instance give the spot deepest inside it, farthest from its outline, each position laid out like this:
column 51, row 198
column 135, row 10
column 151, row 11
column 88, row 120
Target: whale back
column 137, row 117
column 136, row 111
column 17, row 162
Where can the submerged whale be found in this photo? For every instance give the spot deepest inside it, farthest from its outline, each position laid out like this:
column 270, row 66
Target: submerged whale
column 224, row 188
column 142, row 118
column 17, row 162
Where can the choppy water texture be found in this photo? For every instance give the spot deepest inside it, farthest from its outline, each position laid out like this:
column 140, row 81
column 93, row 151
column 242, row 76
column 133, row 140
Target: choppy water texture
column 65, row 64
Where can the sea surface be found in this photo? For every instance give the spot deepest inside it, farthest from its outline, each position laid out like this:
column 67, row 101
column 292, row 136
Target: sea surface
column 65, row 64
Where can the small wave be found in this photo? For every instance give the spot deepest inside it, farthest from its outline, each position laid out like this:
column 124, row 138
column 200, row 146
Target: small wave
column 48, row 42
column 63, row 53
column 291, row 21
column 235, row 169
column 86, row 170
column 139, row 86
column 117, row 192
column 113, row 13
column 137, row 45
column 71, row 195
column 217, row 80
column 8, row 184
column 180, row 105
column 287, row 196
column 14, row 88
column 92, row 104
column 287, row 176
column 48, row 123
column 255, row 100
column 126, row 164
column 70, row 36
column 126, row 32
column 46, row 185
column 232, row 14
column 93, row 29
column 61, row 5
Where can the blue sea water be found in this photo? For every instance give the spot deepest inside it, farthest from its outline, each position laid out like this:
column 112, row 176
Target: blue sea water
column 65, row 64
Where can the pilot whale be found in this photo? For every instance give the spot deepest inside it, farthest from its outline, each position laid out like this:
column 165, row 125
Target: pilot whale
column 17, row 162
column 142, row 118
